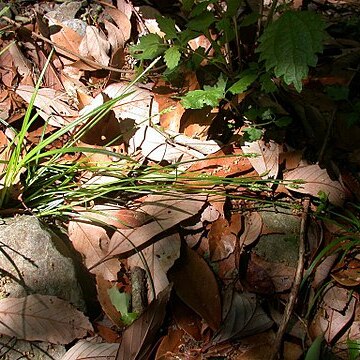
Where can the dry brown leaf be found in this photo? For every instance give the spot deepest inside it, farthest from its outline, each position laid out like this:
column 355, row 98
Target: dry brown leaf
column 94, row 44
column 166, row 211
column 312, row 180
column 122, row 21
column 267, row 162
column 67, row 38
column 139, row 337
column 221, row 240
column 53, row 106
column 159, row 258
column 43, row 318
column 252, row 228
column 196, row 286
column 172, row 344
column 86, row 350
column 109, row 309
column 139, row 105
column 93, row 242
column 22, row 64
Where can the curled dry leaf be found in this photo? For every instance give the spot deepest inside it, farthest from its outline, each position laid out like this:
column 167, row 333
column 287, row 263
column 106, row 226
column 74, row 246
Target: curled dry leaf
column 252, row 228
column 221, row 240
column 123, row 24
column 166, row 211
column 92, row 242
column 196, row 286
column 84, row 350
column 52, row 105
column 158, row 259
column 139, row 337
column 94, row 44
column 267, row 162
column 43, row 318
column 312, row 180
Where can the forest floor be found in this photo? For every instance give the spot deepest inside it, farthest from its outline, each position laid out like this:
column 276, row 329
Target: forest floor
column 214, row 205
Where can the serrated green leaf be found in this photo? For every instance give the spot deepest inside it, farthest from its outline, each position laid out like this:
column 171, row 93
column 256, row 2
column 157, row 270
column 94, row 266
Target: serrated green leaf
column 172, row 57
column 197, row 57
column 167, row 26
column 211, row 95
column 202, row 22
column 252, row 134
column 201, row 8
column 227, row 27
column 242, row 85
column 187, row 4
column 289, row 45
column 232, row 7
column 267, row 84
column 149, row 47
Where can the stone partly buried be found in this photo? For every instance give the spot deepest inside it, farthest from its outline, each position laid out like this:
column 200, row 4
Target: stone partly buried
column 31, row 251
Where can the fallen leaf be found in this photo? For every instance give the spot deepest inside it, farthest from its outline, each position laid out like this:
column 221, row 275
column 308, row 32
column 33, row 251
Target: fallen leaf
column 53, row 106
column 94, row 44
column 244, row 318
column 122, row 22
column 311, row 180
column 166, row 211
column 158, row 259
column 253, row 224
column 170, row 344
column 138, row 338
column 84, row 350
column 221, row 240
column 196, row 286
column 93, row 242
column 42, row 318
column 267, row 162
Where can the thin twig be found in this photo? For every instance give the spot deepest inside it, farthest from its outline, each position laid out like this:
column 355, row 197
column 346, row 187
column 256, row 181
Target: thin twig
column 296, row 285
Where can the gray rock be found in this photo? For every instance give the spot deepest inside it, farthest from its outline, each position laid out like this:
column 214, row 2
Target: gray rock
column 36, row 261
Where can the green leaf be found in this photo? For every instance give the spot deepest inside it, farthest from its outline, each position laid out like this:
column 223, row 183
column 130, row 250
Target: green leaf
column 267, row 84
column 252, row 134
column 200, row 8
column 167, row 26
column 245, row 81
column 172, row 57
column 283, row 121
column 121, row 302
column 202, row 22
column 226, row 26
column 187, row 4
column 232, row 7
column 337, row 92
column 289, row 45
column 315, row 349
column 250, row 19
column 353, row 349
column 149, row 47
column 211, row 95
column 197, row 57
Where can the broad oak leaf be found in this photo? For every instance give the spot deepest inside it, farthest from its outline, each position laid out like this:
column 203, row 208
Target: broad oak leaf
column 166, row 212
column 313, row 180
column 42, row 318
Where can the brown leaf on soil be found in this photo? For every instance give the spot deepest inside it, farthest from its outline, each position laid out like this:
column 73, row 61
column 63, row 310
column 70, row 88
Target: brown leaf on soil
column 171, row 344
column 92, row 242
column 158, row 258
column 312, row 179
column 253, row 224
column 42, row 317
column 196, row 286
column 109, row 309
column 122, row 22
column 53, row 106
column 88, row 350
column 267, row 162
column 166, row 211
column 227, row 161
column 221, row 240
column 139, row 337
column 95, row 45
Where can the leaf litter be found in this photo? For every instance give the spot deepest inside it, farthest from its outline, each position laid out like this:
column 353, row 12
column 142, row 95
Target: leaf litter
column 187, row 243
